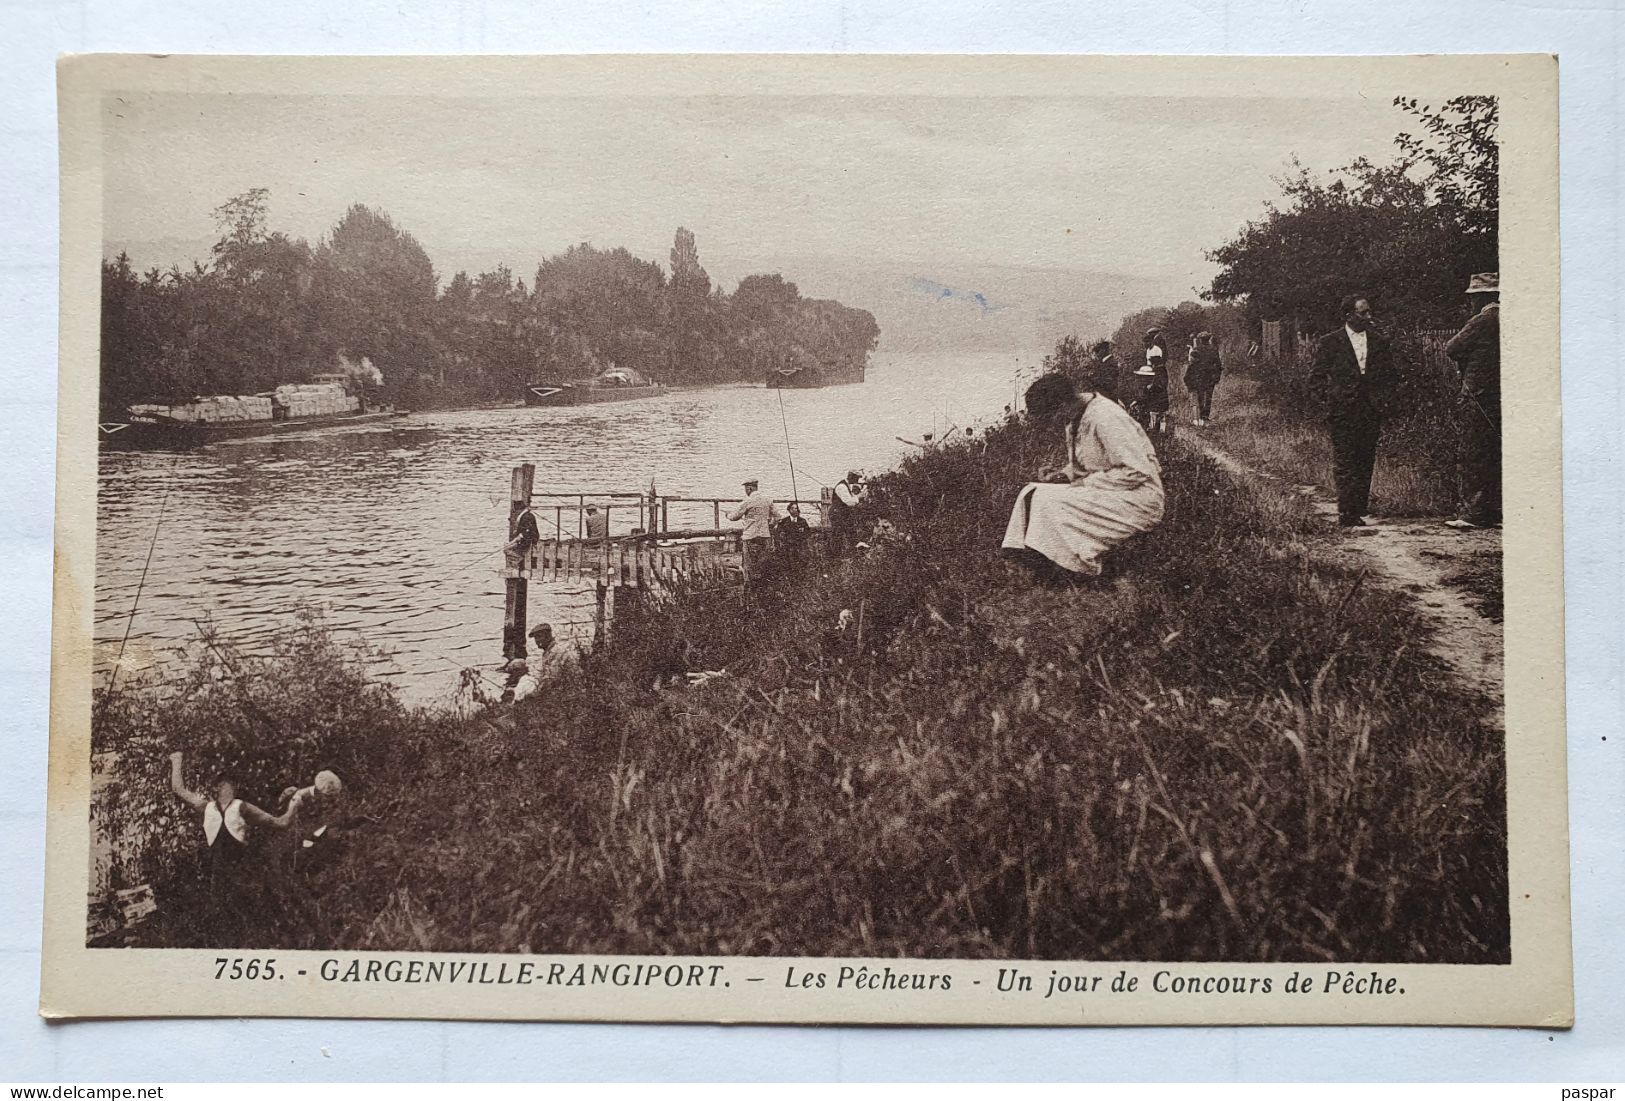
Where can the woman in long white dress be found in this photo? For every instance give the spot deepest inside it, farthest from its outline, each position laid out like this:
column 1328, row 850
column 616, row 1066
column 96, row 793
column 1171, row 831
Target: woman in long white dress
column 1109, row 488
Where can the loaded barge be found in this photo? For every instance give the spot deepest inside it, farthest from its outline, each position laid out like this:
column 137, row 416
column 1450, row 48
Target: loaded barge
column 812, row 376
column 330, row 401
column 616, row 384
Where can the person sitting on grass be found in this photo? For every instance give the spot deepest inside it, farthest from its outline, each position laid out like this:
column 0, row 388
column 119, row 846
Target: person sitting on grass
column 884, row 538
column 551, row 658
column 526, row 678
column 1109, row 488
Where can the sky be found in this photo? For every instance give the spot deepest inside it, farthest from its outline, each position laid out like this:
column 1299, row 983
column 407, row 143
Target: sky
column 1137, row 185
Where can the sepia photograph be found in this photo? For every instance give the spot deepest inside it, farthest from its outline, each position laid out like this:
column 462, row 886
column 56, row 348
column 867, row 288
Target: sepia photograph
column 604, row 520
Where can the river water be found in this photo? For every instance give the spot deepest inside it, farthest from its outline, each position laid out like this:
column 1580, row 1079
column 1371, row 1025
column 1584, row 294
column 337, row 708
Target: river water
column 392, row 531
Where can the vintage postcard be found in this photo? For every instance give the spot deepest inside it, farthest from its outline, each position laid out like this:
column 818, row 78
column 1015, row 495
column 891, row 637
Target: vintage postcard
column 984, row 540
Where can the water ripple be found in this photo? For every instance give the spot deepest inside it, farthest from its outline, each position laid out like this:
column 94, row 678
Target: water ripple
column 384, row 529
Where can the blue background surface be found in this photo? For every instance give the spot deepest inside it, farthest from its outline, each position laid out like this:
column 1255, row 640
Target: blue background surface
column 1587, row 34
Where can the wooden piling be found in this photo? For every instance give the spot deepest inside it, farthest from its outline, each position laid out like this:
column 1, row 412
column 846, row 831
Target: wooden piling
column 598, row 616
column 517, row 597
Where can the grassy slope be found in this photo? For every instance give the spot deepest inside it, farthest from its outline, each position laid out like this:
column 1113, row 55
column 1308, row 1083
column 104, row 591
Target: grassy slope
column 1234, row 751
column 1260, row 417
column 1255, row 422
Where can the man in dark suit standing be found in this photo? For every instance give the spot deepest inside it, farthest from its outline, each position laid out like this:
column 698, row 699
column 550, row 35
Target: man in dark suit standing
column 1353, row 378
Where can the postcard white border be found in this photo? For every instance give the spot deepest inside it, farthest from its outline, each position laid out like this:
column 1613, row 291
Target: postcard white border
column 1535, row 989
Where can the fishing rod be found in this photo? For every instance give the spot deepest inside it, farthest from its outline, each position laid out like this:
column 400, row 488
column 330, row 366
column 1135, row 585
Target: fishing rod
column 1494, row 427
column 141, row 585
column 813, row 474
column 794, row 494
column 483, row 556
column 237, row 680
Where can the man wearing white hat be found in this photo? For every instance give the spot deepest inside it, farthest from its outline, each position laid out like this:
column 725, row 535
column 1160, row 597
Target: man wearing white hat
column 313, row 811
column 757, row 513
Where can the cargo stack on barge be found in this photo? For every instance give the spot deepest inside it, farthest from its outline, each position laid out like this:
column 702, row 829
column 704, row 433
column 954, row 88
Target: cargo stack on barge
column 332, row 399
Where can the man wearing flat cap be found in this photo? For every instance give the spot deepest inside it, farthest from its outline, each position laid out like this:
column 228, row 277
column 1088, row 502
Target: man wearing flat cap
column 757, row 513
column 1477, row 353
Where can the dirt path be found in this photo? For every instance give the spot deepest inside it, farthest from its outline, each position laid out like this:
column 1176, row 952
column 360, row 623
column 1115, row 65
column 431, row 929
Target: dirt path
column 1424, row 559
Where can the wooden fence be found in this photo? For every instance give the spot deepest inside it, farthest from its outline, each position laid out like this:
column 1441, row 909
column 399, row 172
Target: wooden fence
column 623, row 565
column 638, row 560
column 1279, row 344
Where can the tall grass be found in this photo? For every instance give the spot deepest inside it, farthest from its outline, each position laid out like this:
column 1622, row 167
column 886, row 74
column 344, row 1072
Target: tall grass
column 1265, row 416
column 1235, row 751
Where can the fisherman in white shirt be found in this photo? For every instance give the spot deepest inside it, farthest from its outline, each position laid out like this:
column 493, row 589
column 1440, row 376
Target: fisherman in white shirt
column 757, row 512
column 850, row 491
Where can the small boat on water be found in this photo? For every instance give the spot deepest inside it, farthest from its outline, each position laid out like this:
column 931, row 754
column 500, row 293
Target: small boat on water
column 615, row 384
column 331, row 401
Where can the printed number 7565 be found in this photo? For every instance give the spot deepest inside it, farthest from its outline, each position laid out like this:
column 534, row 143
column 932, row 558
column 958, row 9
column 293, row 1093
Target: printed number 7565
column 226, row 968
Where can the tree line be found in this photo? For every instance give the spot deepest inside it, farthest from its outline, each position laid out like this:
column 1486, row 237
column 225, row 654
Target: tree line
column 1408, row 233
column 267, row 308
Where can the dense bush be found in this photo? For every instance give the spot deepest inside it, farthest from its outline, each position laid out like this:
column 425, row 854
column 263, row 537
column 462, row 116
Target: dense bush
column 268, row 722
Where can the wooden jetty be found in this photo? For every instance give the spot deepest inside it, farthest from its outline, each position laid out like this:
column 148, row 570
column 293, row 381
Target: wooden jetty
column 653, row 556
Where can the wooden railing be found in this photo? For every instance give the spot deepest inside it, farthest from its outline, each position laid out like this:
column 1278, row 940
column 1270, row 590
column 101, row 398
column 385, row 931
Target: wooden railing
column 717, row 504
column 650, row 553
column 563, row 514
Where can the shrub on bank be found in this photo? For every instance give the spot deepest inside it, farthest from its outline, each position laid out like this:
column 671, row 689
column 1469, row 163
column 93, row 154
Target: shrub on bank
column 268, row 722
